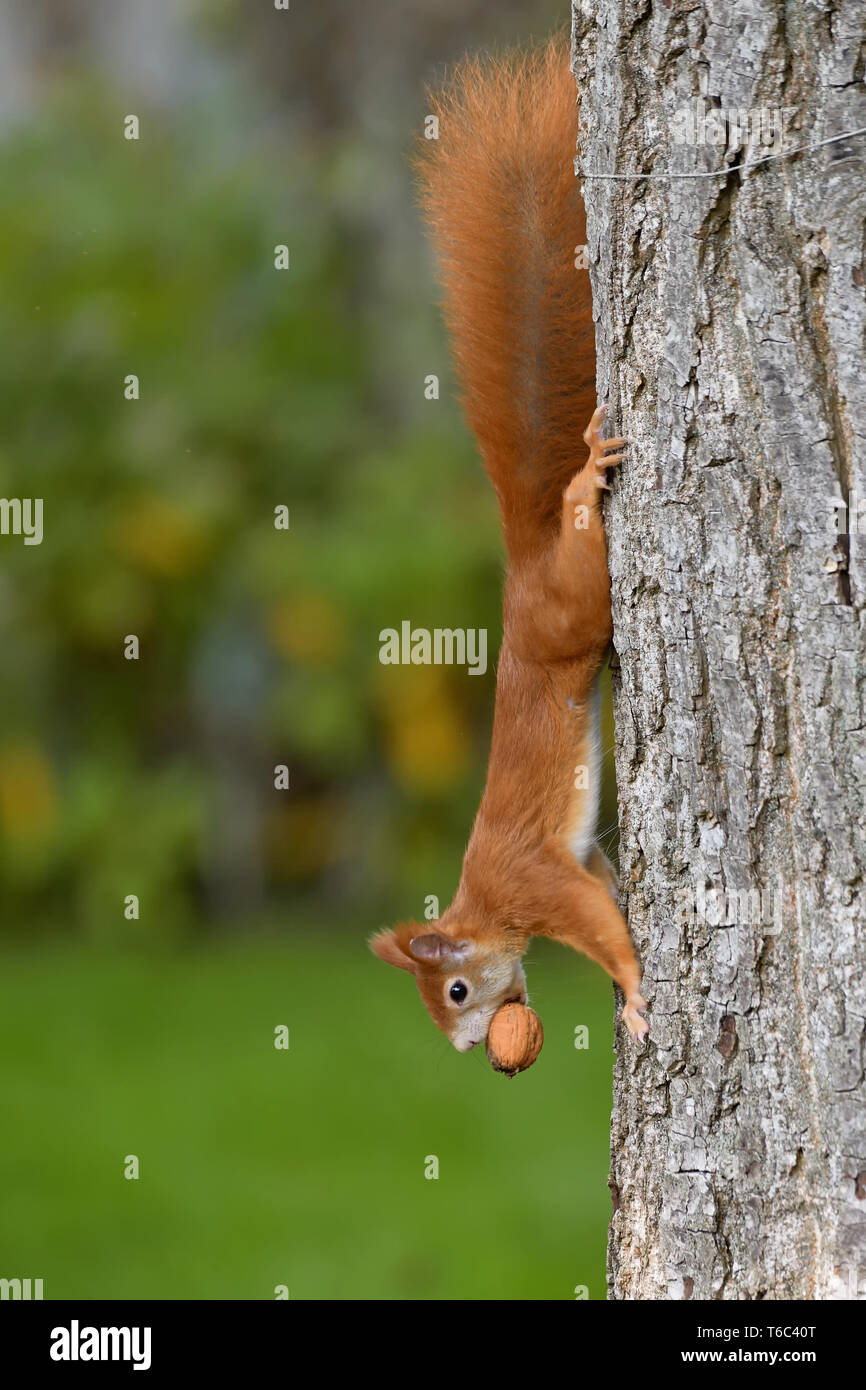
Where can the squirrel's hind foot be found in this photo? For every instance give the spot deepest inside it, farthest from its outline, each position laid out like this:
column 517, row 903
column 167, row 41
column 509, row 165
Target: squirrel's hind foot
column 632, row 1017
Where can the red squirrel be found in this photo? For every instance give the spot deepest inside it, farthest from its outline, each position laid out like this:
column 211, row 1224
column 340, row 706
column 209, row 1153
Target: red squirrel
column 501, row 200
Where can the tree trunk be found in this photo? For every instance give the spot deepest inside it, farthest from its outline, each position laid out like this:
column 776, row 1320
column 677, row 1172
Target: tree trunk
column 730, row 330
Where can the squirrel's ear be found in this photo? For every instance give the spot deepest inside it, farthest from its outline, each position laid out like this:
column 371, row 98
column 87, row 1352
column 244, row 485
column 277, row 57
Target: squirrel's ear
column 436, row 946
column 393, row 946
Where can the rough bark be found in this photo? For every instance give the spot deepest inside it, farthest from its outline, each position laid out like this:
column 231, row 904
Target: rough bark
column 730, row 330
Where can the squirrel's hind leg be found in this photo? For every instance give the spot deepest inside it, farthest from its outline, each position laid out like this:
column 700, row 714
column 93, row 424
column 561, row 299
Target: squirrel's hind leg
column 585, row 918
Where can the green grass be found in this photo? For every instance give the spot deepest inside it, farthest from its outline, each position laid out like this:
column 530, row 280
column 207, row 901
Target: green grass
column 305, row 1168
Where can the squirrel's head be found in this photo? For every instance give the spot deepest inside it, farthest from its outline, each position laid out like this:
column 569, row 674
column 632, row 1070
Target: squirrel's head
column 461, row 980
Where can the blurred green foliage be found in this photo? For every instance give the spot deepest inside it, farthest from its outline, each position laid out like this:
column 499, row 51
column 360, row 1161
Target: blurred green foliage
column 258, row 646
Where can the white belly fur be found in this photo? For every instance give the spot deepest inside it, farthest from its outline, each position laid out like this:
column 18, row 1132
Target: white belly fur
column 582, row 837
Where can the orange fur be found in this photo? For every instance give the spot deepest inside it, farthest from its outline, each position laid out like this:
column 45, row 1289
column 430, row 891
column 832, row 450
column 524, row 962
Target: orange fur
column 499, row 191
column 505, row 213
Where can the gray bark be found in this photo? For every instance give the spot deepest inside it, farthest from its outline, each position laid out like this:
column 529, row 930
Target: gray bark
column 730, row 333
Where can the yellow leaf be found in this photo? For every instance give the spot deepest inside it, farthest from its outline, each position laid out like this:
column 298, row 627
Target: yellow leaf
column 162, row 537
column 28, row 798
column 308, row 628
column 428, row 745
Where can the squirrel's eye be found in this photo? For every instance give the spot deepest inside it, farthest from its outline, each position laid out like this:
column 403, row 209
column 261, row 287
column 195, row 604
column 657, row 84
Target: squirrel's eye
column 458, row 992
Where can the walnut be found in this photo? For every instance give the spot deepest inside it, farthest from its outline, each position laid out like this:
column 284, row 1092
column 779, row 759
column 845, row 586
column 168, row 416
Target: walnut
column 514, row 1038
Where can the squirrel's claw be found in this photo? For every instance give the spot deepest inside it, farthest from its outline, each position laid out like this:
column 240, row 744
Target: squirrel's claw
column 599, row 459
column 591, row 433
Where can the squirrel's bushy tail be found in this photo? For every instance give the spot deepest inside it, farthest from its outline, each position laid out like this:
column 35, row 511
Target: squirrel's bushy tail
column 504, row 208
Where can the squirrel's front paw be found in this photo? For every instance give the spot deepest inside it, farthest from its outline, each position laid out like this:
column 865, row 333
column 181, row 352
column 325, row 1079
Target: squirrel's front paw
column 599, row 460
column 632, row 1017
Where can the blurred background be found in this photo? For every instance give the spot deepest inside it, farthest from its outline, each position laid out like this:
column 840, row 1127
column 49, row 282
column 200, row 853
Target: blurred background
column 154, row 1036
